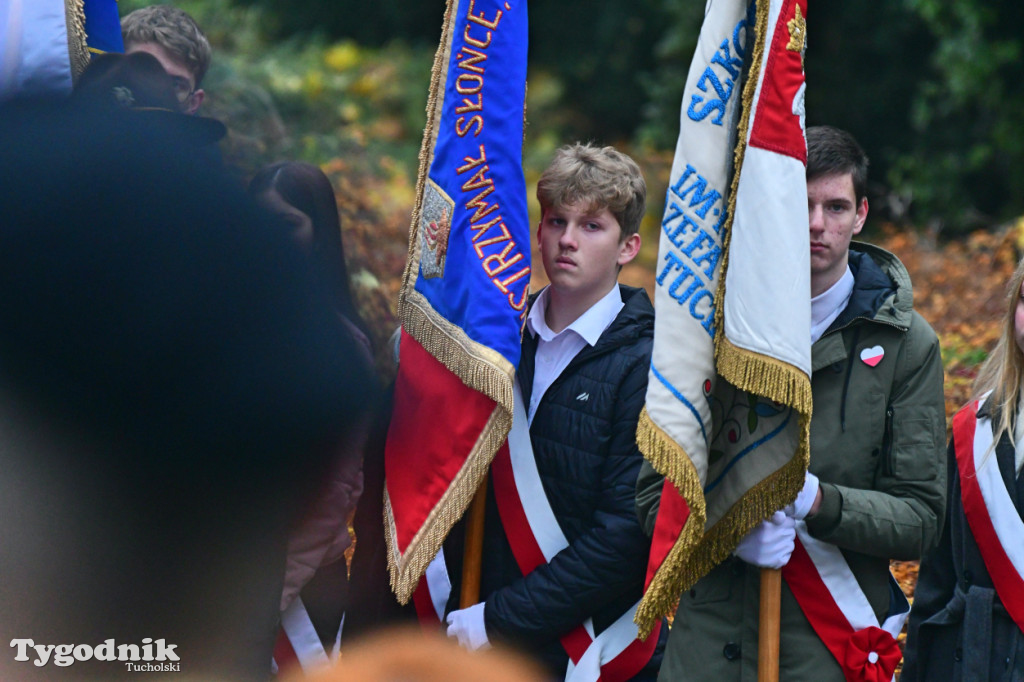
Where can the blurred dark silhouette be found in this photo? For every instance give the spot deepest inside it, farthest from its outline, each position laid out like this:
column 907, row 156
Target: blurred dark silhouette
column 172, row 379
column 138, row 83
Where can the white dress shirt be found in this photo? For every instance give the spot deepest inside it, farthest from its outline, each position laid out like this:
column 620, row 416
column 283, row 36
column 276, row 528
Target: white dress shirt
column 826, row 306
column 556, row 351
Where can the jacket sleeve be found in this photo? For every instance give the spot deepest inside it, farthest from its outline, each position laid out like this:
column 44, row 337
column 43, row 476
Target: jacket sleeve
column 902, row 516
column 935, row 584
column 604, row 565
column 648, row 496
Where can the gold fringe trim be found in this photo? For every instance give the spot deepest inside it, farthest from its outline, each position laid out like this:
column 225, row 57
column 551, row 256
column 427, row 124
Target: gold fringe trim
column 481, row 368
column 435, row 103
column 669, row 581
column 78, row 50
column 406, row 569
column 764, row 375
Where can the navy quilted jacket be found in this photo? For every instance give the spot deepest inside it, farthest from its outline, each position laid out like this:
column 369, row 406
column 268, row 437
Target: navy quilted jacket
column 584, row 442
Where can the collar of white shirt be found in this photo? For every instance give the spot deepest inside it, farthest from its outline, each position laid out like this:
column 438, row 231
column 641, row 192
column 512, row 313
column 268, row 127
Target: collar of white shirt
column 590, row 325
column 826, row 306
column 556, row 351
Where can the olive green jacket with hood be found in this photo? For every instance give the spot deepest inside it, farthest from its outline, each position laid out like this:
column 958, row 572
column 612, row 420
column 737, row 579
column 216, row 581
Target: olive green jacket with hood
column 877, row 446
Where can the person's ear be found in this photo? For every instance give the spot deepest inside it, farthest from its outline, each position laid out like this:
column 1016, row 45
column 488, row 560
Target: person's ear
column 629, row 248
column 195, row 100
column 862, row 215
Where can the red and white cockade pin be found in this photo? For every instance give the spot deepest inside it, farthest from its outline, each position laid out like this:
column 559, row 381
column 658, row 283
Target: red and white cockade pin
column 872, row 356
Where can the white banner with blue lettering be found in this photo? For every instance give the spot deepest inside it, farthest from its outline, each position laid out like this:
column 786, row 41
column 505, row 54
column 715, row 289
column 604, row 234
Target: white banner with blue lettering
column 728, row 398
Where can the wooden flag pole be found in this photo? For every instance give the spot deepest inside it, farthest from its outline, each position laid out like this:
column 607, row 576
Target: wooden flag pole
column 768, row 627
column 472, row 555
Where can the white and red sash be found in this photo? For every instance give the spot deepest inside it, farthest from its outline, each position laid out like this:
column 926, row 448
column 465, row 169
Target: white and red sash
column 299, row 644
column 536, row 537
column 994, row 521
column 431, row 594
column 833, row 602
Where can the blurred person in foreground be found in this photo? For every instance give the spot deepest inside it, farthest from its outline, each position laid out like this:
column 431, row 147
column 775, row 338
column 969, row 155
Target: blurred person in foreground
column 316, row 584
column 137, row 82
column 173, row 378
column 411, row 655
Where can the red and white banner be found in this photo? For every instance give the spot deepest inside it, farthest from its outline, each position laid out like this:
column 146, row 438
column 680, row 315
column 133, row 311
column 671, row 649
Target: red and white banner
column 995, row 523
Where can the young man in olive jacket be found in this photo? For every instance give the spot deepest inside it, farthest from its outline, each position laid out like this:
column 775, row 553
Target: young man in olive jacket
column 583, row 377
column 876, row 483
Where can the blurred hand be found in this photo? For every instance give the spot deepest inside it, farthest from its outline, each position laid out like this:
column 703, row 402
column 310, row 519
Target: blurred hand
column 770, row 543
column 467, row 626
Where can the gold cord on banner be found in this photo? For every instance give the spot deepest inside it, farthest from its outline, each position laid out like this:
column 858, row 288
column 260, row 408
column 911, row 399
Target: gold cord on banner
column 78, row 49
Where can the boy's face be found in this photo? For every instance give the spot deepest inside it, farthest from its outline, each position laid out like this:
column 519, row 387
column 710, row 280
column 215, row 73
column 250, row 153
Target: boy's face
column 189, row 97
column 582, row 250
column 835, row 217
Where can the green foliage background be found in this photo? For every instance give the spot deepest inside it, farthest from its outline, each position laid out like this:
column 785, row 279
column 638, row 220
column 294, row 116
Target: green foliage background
column 934, row 89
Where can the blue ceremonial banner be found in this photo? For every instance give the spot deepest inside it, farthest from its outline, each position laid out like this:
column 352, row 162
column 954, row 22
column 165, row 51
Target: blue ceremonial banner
column 103, row 26
column 474, row 204
column 463, row 298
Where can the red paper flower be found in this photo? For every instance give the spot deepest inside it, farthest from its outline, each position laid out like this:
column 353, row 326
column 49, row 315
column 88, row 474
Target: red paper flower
column 871, row 656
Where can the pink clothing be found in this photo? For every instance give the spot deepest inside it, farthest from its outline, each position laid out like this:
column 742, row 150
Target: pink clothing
column 322, row 537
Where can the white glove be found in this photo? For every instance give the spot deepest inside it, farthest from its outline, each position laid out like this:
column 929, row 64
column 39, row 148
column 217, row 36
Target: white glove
column 770, row 543
column 467, row 626
column 801, row 506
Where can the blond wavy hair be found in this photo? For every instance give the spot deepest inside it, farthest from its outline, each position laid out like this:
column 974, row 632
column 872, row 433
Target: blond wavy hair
column 1003, row 370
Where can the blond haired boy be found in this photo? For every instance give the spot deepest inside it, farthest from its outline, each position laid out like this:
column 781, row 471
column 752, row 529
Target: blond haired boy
column 583, row 376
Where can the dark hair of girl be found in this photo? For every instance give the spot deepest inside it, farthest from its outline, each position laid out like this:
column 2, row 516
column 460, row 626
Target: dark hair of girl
column 305, row 187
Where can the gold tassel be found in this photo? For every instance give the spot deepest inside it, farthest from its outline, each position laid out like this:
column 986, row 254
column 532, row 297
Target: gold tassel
column 757, row 504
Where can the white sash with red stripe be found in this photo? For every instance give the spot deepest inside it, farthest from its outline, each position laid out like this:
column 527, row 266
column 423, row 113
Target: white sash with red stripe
column 994, row 520
column 536, row 537
column 432, row 592
column 836, row 607
column 298, row 643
